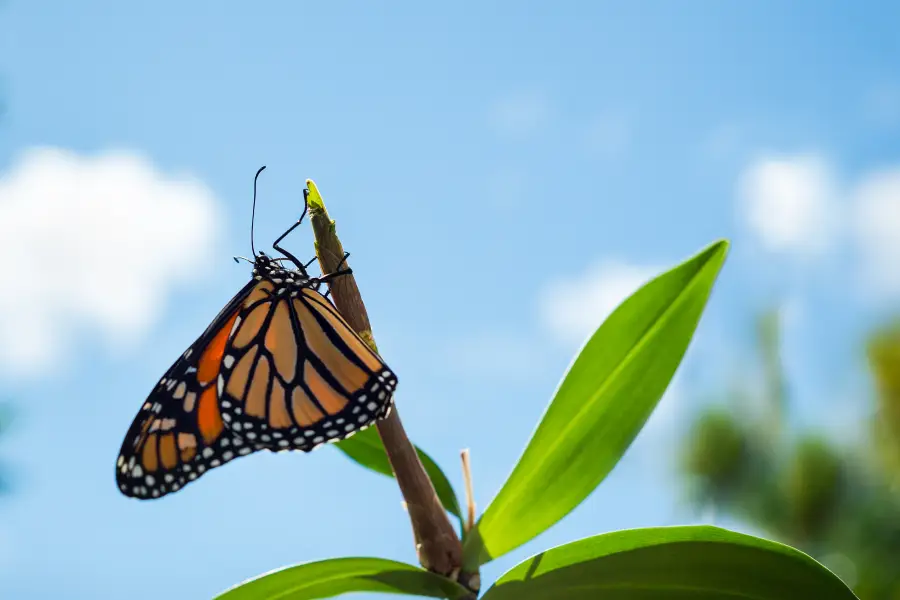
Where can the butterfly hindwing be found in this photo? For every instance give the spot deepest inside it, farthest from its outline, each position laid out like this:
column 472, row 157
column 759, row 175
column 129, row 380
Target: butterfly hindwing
column 179, row 434
column 294, row 374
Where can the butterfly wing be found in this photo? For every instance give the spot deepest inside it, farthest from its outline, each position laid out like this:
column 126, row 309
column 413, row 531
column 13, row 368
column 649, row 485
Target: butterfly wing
column 178, row 434
column 295, row 375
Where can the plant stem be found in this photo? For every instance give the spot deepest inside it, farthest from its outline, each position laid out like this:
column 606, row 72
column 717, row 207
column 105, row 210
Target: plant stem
column 437, row 545
column 470, row 493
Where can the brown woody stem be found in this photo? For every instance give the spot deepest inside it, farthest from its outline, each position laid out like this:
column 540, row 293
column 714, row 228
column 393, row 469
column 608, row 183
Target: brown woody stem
column 437, row 545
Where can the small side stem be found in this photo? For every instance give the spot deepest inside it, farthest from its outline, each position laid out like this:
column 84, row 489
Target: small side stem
column 437, row 545
column 470, row 492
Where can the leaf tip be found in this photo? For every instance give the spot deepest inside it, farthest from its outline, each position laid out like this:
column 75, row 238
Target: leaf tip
column 722, row 244
column 714, row 253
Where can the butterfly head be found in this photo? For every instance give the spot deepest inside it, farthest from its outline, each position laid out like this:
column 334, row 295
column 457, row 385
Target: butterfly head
column 266, row 266
column 263, row 261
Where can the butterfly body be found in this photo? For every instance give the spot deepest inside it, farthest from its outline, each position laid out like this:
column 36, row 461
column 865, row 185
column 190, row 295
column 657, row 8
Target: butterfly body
column 277, row 369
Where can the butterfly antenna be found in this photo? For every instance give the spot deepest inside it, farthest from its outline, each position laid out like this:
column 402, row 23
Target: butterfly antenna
column 253, row 213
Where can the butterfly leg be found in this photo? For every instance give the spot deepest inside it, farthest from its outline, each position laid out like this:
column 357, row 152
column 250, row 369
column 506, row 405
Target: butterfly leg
column 339, row 271
column 336, row 273
column 343, row 260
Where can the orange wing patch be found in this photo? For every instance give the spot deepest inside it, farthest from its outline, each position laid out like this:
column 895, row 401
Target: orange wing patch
column 167, row 452
column 149, row 455
column 209, row 419
column 305, row 411
column 351, row 377
column 251, row 325
column 281, row 342
column 255, row 401
column 348, row 336
column 278, row 410
column 329, row 398
column 240, row 377
column 211, row 360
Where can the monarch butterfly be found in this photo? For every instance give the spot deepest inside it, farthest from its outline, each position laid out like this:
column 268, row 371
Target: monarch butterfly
column 277, row 369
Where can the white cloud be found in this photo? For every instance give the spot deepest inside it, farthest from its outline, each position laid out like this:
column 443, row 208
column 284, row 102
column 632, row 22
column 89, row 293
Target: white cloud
column 92, row 244
column 519, row 116
column 790, row 204
column 607, row 136
column 572, row 308
column 876, row 222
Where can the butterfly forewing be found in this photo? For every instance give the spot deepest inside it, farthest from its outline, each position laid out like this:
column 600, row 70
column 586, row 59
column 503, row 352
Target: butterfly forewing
column 294, row 374
column 179, row 434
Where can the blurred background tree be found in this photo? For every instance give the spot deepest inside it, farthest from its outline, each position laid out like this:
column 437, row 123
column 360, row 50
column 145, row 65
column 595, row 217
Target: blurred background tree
column 839, row 503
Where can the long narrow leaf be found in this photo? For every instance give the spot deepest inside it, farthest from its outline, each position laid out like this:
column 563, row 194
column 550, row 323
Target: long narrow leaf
column 366, row 449
column 603, row 401
column 328, row 578
column 670, row 562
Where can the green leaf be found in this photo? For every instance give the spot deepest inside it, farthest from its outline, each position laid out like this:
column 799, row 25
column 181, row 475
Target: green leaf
column 702, row 563
column 603, row 401
column 366, row 448
column 328, row 578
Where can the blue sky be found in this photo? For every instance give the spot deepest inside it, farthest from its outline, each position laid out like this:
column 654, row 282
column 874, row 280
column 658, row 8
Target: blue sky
column 502, row 174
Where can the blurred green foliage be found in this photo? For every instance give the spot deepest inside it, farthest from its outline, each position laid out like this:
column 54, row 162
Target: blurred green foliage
column 840, row 502
column 884, row 361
